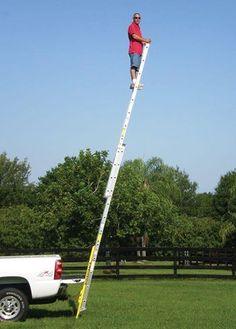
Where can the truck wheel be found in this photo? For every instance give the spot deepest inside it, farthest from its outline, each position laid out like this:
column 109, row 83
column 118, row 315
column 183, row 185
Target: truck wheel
column 14, row 305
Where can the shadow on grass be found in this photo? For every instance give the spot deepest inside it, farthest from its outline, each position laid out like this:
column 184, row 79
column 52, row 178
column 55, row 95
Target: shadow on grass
column 43, row 313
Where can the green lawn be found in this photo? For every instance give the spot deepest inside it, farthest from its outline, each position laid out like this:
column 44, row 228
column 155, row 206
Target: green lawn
column 143, row 304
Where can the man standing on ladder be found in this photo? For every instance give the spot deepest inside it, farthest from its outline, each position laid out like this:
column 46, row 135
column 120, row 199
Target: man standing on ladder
column 83, row 296
column 136, row 42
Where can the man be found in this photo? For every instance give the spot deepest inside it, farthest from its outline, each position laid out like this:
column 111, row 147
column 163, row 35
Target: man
column 136, row 42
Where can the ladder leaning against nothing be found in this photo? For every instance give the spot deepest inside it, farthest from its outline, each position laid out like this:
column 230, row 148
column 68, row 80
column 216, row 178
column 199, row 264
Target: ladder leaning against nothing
column 82, row 300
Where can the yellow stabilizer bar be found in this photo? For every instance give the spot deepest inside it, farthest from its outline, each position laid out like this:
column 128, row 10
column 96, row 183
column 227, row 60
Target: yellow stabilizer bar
column 81, row 295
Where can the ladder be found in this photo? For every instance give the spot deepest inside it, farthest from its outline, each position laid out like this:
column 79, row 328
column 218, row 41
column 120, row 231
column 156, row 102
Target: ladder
column 82, row 300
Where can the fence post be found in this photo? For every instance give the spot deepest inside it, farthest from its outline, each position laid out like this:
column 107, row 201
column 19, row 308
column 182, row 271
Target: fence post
column 233, row 261
column 175, row 262
column 117, row 263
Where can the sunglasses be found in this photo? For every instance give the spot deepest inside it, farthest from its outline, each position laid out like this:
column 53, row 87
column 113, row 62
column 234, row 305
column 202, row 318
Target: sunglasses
column 137, row 17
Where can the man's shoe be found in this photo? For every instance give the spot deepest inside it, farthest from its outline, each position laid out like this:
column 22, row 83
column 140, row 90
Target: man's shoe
column 140, row 86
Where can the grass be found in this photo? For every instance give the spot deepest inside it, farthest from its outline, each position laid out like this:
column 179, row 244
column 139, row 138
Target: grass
column 139, row 304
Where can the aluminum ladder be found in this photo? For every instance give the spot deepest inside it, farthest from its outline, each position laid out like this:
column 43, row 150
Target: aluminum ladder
column 82, row 300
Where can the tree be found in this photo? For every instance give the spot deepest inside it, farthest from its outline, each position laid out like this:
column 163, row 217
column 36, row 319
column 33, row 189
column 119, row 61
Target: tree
column 169, row 183
column 15, row 188
column 185, row 231
column 204, row 205
column 70, row 197
column 136, row 209
column 225, row 197
column 20, row 228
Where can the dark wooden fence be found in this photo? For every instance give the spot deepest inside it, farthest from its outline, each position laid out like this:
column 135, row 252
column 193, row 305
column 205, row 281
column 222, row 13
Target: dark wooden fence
column 144, row 262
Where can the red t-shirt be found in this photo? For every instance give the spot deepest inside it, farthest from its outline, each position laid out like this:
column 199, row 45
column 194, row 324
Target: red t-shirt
column 134, row 45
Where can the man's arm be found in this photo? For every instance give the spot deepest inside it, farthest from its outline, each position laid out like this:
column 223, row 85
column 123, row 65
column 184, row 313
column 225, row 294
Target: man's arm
column 138, row 38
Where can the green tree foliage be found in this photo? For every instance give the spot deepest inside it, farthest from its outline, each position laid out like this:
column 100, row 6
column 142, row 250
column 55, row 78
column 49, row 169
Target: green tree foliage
column 185, row 231
column 65, row 208
column 225, row 197
column 227, row 233
column 70, row 198
column 172, row 183
column 168, row 183
column 20, row 228
column 204, row 205
column 15, row 188
column 155, row 198
column 136, row 209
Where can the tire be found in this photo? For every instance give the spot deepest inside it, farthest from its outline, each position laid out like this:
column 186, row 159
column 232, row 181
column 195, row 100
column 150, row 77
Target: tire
column 14, row 305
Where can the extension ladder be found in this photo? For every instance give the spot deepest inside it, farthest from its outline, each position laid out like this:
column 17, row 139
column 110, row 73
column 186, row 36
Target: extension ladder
column 82, row 300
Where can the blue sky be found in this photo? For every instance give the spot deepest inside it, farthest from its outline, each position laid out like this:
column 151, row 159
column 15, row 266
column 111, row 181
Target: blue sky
column 64, row 78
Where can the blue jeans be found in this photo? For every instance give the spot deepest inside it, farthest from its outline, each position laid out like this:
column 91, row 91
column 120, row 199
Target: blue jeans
column 135, row 61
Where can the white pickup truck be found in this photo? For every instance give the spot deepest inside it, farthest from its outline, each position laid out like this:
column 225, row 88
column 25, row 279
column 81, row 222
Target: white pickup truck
column 28, row 280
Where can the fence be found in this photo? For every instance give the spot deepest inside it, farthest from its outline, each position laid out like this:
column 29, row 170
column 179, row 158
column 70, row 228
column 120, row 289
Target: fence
column 145, row 262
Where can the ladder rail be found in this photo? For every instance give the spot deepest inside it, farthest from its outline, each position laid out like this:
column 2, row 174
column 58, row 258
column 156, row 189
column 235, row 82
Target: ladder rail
column 134, row 93
column 110, row 189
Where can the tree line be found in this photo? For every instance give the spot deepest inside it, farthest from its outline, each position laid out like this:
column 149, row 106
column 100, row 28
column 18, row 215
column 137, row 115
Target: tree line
column 151, row 199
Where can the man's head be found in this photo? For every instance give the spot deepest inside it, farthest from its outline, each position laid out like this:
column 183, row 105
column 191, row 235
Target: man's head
column 136, row 18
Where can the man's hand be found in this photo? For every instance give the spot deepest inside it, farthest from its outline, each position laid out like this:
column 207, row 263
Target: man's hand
column 141, row 39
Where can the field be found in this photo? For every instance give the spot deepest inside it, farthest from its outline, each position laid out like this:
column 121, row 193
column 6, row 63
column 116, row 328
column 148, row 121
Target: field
column 139, row 304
